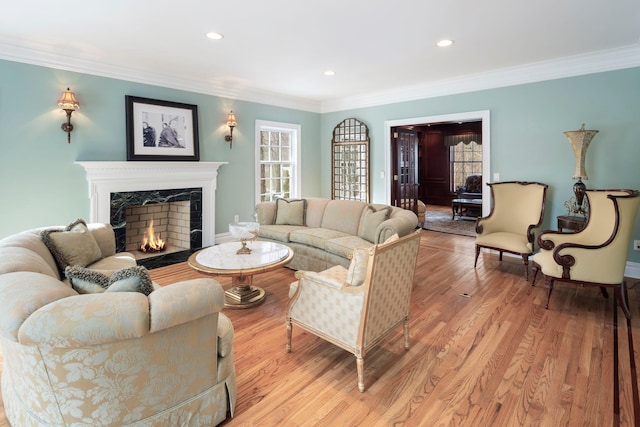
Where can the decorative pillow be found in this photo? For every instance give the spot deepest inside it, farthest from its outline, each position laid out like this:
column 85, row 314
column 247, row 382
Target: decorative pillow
column 132, row 279
column 73, row 245
column 358, row 267
column 290, row 212
column 371, row 220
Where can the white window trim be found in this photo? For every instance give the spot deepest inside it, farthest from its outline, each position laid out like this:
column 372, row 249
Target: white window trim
column 296, row 184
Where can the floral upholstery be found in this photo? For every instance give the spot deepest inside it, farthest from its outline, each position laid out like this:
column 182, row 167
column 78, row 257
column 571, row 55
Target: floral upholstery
column 597, row 255
column 517, row 212
column 109, row 359
column 472, row 188
column 354, row 317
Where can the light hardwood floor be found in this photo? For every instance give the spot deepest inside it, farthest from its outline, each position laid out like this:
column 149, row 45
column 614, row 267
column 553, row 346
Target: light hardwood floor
column 493, row 358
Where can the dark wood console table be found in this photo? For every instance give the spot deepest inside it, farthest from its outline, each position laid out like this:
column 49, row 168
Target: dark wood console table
column 571, row 222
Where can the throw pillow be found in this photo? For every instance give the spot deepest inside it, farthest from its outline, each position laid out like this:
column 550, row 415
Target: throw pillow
column 132, row 279
column 73, row 245
column 370, row 221
column 358, row 267
column 290, row 212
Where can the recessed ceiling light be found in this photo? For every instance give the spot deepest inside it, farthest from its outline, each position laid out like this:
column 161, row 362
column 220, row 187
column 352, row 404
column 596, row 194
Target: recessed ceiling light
column 444, row 43
column 214, row 36
column 329, row 73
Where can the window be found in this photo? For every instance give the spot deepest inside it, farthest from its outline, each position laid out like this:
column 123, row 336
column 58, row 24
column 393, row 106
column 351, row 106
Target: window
column 466, row 159
column 278, row 154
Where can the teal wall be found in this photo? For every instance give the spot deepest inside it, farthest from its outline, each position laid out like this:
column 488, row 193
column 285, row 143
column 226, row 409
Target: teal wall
column 40, row 184
column 527, row 140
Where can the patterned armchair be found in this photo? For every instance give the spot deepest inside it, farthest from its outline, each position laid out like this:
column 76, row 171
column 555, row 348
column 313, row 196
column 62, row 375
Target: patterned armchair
column 597, row 255
column 355, row 308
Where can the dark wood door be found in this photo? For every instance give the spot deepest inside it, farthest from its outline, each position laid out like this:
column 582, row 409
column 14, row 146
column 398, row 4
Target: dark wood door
column 405, row 185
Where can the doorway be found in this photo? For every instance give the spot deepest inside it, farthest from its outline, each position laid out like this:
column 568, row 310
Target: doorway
column 390, row 155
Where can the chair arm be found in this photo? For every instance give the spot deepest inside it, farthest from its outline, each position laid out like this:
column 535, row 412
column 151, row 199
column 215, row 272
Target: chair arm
column 320, row 279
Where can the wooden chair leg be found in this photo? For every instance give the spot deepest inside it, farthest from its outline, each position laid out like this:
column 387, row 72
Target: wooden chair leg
column 621, row 295
column 500, row 257
column 525, row 260
column 534, row 273
column 604, row 292
column 549, row 281
column 477, row 254
column 406, row 334
column 289, row 333
column 360, row 366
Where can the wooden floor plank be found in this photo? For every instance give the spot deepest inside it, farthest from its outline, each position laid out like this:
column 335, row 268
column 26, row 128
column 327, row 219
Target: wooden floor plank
column 494, row 357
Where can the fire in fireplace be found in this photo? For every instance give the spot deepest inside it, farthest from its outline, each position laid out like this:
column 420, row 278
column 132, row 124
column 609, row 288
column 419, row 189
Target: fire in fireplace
column 150, row 242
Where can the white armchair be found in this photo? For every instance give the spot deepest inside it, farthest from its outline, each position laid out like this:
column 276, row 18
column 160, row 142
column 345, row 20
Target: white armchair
column 355, row 308
column 597, row 255
column 517, row 212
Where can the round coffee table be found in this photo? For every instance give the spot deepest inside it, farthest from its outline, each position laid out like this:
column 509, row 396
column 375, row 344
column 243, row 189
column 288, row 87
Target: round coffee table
column 222, row 260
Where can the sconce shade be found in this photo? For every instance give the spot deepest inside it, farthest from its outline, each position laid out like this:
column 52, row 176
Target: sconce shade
column 231, row 120
column 580, row 140
column 68, row 101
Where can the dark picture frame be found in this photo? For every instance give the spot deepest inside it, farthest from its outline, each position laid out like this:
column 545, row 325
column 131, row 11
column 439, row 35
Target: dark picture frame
column 161, row 130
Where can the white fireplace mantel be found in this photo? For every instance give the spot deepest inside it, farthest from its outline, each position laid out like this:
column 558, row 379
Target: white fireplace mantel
column 105, row 178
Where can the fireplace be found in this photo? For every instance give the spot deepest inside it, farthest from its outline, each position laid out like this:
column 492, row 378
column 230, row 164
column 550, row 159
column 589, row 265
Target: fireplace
column 177, row 218
column 129, row 194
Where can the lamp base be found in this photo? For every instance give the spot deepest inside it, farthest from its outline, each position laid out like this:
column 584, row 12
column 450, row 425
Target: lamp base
column 578, row 189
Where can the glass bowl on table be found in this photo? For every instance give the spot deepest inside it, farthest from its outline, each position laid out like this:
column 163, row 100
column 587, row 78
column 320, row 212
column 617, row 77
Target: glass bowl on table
column 244, row 232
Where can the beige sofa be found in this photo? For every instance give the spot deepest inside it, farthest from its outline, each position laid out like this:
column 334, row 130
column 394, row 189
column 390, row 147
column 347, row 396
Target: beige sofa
column 324, row 232
column 112, row 358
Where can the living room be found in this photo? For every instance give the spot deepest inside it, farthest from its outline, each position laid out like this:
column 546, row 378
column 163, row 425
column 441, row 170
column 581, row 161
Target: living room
column 528, row 108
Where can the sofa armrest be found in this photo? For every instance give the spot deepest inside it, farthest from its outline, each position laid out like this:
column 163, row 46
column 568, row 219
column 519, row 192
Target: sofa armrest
column 184, row 301
column 402, row 221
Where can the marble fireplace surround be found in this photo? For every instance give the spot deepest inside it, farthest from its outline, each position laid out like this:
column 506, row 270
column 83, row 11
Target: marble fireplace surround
column 105, row 178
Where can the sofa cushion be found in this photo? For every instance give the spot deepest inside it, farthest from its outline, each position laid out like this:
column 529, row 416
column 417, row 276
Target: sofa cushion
column 344, row 246
column 73, row 245
column 290, row 212
column 371, row 219
column 279, row 233
column 315, row 211
column 88, row 281
column 115, row 262
column 316, row 237
column 343, row 215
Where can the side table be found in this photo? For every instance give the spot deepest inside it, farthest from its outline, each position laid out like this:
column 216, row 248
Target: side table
column 571, row 222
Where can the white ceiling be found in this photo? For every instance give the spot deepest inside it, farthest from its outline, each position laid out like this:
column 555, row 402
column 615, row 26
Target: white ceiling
column 276, row 51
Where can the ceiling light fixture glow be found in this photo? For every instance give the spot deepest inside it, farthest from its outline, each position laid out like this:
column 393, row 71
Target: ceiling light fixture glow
column 444, row 43
column 329, row 73
column 214, row 36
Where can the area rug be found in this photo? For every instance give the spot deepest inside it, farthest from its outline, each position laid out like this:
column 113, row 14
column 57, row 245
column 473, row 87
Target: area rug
column 441, row 221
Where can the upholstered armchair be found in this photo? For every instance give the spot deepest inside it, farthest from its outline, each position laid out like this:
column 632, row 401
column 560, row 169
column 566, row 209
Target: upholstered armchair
column 597, row 255
column 517, row 212
column 355, row 308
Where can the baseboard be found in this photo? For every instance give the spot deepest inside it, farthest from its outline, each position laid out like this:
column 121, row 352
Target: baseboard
column 632, row 270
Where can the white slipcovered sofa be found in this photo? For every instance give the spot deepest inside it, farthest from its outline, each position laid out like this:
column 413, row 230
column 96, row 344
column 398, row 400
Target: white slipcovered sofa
column 116, row 358
column 324, row 232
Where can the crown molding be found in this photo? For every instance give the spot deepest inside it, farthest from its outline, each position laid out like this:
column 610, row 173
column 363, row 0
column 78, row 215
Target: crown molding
column 38, row 55
column 595, row 62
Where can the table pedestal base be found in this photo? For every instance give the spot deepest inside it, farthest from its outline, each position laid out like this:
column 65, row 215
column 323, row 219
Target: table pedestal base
column 242, row 294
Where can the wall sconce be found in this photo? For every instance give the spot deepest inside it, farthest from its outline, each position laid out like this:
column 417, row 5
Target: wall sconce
column 580, row 140
column 68, row 103
column 231, row 122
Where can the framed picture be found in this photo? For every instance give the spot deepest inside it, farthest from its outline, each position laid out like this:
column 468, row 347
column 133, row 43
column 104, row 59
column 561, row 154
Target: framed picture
column 161, row 130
